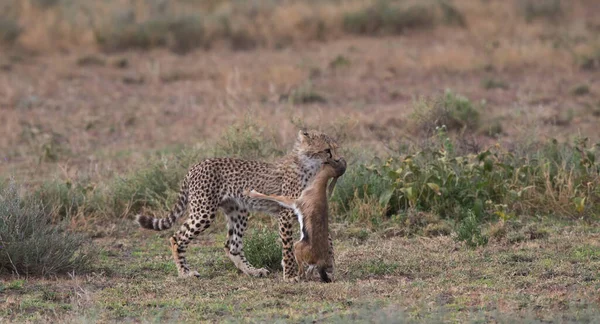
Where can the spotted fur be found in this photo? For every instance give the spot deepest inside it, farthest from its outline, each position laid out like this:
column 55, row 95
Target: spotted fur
column 220, row 182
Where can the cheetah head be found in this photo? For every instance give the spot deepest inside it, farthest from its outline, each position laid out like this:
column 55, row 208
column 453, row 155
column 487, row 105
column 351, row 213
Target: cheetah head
column 314, row 147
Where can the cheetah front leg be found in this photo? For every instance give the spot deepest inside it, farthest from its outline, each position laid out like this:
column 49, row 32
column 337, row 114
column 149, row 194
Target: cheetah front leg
column 237, row 220
column 286, row 218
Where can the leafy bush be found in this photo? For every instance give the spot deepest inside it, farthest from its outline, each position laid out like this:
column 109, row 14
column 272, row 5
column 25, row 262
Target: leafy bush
column 555, row 179
column 262, row 249
column 30, row 244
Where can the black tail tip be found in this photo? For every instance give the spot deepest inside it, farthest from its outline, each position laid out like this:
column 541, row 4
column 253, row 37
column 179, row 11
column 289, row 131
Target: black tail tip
column 144, row 221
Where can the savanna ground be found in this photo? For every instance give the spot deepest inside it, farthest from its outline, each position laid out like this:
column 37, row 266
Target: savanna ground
column 457, row 205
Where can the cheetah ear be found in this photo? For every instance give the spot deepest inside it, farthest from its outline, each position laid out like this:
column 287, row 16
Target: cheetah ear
column 302, row 135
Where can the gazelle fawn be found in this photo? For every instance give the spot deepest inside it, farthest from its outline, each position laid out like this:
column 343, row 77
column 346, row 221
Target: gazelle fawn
column 312, row 250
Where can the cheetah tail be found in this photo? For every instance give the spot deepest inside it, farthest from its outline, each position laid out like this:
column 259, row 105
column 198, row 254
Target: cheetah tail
column 159, row 224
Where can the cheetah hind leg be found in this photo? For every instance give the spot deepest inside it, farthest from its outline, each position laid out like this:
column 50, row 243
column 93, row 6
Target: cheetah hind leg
column 176, row 256
column 236, row 226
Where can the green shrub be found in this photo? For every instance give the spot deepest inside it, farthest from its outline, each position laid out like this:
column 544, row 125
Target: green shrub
column 360, row 183
column 553, row 179
column 452, row 111
column 31, row 244
column 469, row 231
column 262, row 249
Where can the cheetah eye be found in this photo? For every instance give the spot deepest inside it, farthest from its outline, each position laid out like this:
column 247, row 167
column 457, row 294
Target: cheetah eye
column 328, row 151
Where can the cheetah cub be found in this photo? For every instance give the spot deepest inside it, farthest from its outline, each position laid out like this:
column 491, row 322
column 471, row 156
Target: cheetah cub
column 312, row 250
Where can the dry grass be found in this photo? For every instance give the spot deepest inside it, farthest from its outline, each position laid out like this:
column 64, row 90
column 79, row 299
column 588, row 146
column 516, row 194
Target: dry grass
column 418, row 279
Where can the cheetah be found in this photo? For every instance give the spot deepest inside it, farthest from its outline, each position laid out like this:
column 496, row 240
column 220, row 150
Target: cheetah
column 220, row 182
column 311, row 208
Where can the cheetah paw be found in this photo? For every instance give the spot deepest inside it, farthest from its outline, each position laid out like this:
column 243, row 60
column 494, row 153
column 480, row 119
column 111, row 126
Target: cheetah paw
column 190, row 274
column 259, row 273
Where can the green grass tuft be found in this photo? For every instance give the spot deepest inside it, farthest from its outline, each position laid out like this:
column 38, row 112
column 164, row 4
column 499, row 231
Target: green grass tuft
column 262, row 249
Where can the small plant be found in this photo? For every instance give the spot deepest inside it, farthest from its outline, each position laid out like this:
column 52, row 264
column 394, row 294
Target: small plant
column 180, row 34
column 438, row 229
column 31, row 244
column 580, row 90
column 262, row 249
column 91, row 60
column 385, row 17
column 491, row 83
column 493, row 129
column 9, row 31
column 339, row 62
column 589, row 61
column 373, row 267
column 534, row 9
column 306, row 94
column 469, row 231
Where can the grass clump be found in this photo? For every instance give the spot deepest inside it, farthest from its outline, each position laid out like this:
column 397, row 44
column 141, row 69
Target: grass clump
column 390, row 17
column 262, row 249
column 535, row 9
column 580, row 90
column 31, row 244
column 491, row 83
column 247, row 140
column 156, row 187
column 9, row 31
column 452, row 111
column 180, row 34
column 66, row 199
column 385, row 17
column 373, row 267
column 91, row 60
column 306, row 94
